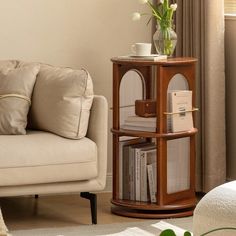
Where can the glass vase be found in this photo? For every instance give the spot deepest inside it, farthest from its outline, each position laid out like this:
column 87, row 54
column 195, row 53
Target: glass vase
column 165, row 40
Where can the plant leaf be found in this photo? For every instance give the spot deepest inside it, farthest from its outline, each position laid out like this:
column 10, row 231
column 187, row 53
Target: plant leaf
column 155, row 11
column 187, row 233
column 168, row 232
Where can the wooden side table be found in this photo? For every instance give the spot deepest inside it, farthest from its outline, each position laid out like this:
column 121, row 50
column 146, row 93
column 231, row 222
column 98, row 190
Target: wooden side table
column 177, row 204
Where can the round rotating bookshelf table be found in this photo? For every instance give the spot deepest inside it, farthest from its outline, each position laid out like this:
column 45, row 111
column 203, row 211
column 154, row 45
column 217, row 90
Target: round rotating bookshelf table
column 168, row 204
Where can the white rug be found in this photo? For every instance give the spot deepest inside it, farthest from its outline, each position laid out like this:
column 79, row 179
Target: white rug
column 143, row 228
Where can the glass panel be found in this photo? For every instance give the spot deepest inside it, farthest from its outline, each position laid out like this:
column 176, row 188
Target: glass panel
column 131, row 89
column 178, row 82
column 178, row 165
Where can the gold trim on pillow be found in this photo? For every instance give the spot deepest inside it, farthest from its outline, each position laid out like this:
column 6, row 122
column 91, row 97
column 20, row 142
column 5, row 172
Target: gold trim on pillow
column 16, row 96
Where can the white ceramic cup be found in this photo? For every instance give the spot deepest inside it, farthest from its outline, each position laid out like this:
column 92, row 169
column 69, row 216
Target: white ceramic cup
column 141, row 49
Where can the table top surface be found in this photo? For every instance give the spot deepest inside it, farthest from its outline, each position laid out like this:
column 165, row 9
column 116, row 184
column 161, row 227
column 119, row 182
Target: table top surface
column 122, row 60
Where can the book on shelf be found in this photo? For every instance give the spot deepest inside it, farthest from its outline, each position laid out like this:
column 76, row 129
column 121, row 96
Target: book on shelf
column 138, row 178
column 134, row 169
column 152, row 181
column 138, row 128
column 148, row 156
column 151, row 57
column 128, row 169
column 130, row 186
column 180, row 109
column 124, row 144
column 139, row 123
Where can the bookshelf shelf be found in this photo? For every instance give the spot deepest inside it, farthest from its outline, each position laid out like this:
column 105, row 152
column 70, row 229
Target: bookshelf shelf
column 172, row 200
column 144, row 134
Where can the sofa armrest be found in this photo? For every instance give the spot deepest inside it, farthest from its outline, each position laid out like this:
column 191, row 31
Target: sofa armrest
column 98, row 131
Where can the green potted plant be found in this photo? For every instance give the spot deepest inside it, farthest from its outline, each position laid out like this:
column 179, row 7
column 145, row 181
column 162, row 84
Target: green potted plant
column 164, row 38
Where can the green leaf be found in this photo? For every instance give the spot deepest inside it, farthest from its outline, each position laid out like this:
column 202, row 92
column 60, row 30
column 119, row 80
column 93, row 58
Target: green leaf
column 155, row 11
column 165, row 4
column 168, row 232
column 187, row 233
column 165, row 15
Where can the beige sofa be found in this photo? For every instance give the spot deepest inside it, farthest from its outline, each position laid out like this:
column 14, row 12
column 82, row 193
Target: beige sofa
column 47, row 160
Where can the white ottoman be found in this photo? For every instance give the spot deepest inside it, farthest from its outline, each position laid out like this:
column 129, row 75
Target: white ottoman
column 216, row 209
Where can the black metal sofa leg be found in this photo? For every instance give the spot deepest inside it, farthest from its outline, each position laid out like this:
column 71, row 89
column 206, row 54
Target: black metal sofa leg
column 93, row 204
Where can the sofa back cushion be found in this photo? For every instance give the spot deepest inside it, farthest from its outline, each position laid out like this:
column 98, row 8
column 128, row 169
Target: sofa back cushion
column 16, row 86
column 61, row 101
column 6, row 65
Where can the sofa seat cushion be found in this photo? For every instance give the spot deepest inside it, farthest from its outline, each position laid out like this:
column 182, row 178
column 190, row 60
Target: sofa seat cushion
column 42, row 157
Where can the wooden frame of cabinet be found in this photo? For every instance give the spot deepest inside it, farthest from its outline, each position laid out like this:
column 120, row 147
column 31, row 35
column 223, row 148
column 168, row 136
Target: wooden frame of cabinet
column 176, row 204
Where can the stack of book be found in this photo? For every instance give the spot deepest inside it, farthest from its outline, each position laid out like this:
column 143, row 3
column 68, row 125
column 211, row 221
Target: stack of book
column 147, row 124
column 137, row 179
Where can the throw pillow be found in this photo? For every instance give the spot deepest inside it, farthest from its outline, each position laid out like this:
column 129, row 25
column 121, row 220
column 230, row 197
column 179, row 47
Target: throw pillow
column 61, row 101
column 6, row 65
column 16, row 87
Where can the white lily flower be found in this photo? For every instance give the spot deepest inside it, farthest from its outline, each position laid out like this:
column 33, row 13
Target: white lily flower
column 173, row 6
column 143, row 1
column 136, row 16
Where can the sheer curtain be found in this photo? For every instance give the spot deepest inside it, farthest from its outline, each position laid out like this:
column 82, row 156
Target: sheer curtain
column 200, row 30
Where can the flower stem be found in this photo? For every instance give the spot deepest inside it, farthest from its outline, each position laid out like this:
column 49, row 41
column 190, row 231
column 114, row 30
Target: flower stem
column 167, row 43
column 154, row 11
column 224, row 228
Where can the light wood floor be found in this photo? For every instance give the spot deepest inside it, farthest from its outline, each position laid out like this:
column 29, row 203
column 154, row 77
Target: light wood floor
column 56, row 211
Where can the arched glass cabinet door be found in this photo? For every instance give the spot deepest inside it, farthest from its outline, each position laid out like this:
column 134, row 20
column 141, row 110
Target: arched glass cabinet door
column 178, row 150
column 132, row 87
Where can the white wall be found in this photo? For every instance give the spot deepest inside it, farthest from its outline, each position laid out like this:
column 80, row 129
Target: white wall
column 230, row 56
column 75, row 33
